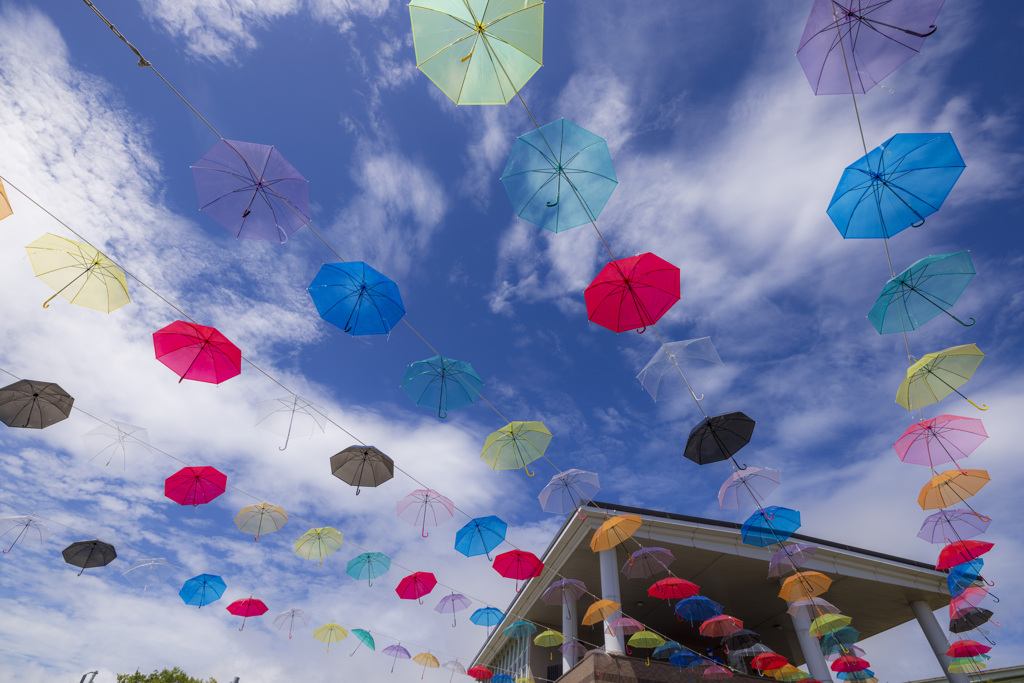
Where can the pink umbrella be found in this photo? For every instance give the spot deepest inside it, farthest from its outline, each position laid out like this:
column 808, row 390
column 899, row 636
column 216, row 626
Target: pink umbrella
column 715, row 672
column 960, row 552
column 632, row 293
column 197, row 352
column 968, row 600
column 519, row 565
column 425, row 507
column 195, row 485
column 942, row 439
column 624, row 626
column 250, row 607
column 416, row 585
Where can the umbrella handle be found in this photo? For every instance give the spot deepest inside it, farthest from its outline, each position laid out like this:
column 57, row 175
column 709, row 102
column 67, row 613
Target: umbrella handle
column 357, row 490
column 423, row 532
column 582, row 516
column 917, row 224
column 981, row 407
column 987, row 582
column 642, row 330
column 933, row 28
column 961, row 321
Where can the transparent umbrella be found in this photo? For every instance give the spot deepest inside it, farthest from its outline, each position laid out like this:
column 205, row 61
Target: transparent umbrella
column 116, row 441
column 291, row 415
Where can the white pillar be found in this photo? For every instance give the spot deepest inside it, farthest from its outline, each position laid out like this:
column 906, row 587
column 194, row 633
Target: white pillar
column 569, row 633
column 936, row 638
column 610, row 591
column 816, row 664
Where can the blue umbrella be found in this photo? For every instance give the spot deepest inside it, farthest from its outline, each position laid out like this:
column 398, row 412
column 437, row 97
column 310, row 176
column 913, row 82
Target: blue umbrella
column 356, row 298
column 568, row 491
column 487, row 616
column 896, row 186
column 697, row 608
column 685, row 658
column 773, row 524
column 666, row 650
column 368, row 566
column 861, row 675
column 838, row 641
column 520, row 629
column 918, row 294
column 442, row 383
column 202, row 590
column 963, row 576
column 502, row 678
column 559, row 176
column 480, row 536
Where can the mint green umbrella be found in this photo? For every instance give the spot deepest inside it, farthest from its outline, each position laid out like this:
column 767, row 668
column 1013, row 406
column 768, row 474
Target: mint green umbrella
column 478, row 51
column 364, row 637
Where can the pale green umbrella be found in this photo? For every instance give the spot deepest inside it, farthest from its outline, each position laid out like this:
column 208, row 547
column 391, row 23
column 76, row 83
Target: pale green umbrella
column 516, row 445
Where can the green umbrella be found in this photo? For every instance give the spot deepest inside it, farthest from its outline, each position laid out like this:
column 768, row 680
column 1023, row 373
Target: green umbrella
column 516, row 445
column 364, row 637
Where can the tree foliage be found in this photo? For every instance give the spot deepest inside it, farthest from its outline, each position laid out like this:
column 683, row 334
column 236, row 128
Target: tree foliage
column 174, row 675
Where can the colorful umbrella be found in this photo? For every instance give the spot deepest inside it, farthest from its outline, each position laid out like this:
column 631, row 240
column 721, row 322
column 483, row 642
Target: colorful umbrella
column 685, row 659
column 362, row 466
column 969, row 620
column 563, row 591
column 937, row 375
column 718, row 437
column 519, row 629
column 415, row 586
column 963, row 576
column 549, row 638
column 601, row 609
column 480, row 52
column 737, row 640
column 79, row 273
column 939, row 440
column 849, row 664
column 368, row 566
column 719, row 626
column 790, row 558
column 330, row 633
column 952, row 487
column 32, row 404
column 516, row 445
column 455, row 667
column 249, row 607
column 697, row 608
column 670, row 356
column 967, row 648
column 291, row 415
column 624, row 626
column 22, row 528
column 480, row 536
column 573, row 649
column 645, row 640
column 647, row 562
column 568, row 491
column 364, row 638
column 838, row 642
column 89, row 554
column 318, row 543
column 396, row 652
column 559, row 176
column 960, row 552
column 487, row 616
column 716, row 672
column 828, row 623
column 356, row 298
column 519, row 565
column 770, row 525
column 632, row 293
column 197, row 352
column 480, row 673
column 804, row 585
column 195, row 486
column 948, row 525
column 455, row 602
column 748, row 487
column 262, row 518
column 289, row 617
column 5, row 204
column 969, row 665
column 425, row 507
column 768, row 661
column 929, row 287
column 428, row 661
column 202, row 590
column 148, row 572
column 666, row 649
column 673, row 588
column 614, row 531
column 969, row 599
column 116, row 440
column 442, row 383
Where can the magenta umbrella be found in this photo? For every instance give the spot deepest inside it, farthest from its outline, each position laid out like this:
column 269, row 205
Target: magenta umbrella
column 250, row 607
column 425, row 507
column 197, row 352
column 416, row 585
column 195, row 485
column 632, row 293
column 942, row 439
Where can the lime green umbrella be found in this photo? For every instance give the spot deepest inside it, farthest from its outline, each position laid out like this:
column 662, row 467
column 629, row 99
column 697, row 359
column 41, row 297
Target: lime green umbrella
column 478, row 51
column 828, row 623
column 516, row 445
column 318, row 543
column 938, row 375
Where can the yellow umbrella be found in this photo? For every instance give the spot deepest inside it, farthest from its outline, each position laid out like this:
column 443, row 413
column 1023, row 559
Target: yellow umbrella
column 263, row 518
column 5, row 203
column 330, row 633
column 549, row 639
column 78, row 272
column 427, row 660
column 938, row 375
column 787, row 673
column 614, row 531
column 950, row 488
column 516, row 445
column 601, row 609
column 524, row 680
column 828, row 623
column 804, row 586
column 646, row 640
column 318, row 543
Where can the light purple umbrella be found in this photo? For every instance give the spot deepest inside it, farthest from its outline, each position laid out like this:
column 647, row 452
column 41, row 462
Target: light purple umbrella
column 813, row 607
column 946, row 526
column 425, row 507
column 790, row 558
column 940, row 440
column 456, row 602
column 748, row 487
column 851, row 45
column 568, row 491
column 396, row 652
column 647, row 562
column 563, row 591
column 572, row 648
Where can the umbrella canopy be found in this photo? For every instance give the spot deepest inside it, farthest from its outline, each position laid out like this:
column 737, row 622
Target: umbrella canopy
column 601, row 609
column 967, row 648
column 559, row 176
column 291, row 416
column 947, row 525
column 32, row 404
column 644, row 639
column 838, row 642
column 116, row 440
column 23, row 528
column 516, row 445
column 487, row 616
column 697, row 608
column 262, row 518
column 647, row 562
column 356, row 298
column 202, row 590
column 573, row 648
column 737, row 640
column 452, row 603
column 79, row 273
column 673, row 588
column 632, row 293
column 963, row 576
column 364, row 638
column 251, row 191
column 480, row 673
column 770, row 525
column 480, row 536
column 88, row 554
column 970, row 598
column 455, row 667
column 804, row 585
column 289, row 618
column 938, row 375
column 197, row 352
column 828, row 623
column 519, row 565
column 519, row 629
column 666, row 649
column 685, row 658
column 415, row 586
column 768, row 661
column 790, row 558
column 748, row 487
column 929, row 287
column 960, row 552
column 722, row 625
column 362, row 466
column 969, row 620
column 940, row 440
column 614, row 531
column 968, row 665
column 563, row 591
column 427, row 660
column 425, row 507
column 624, row 626
column 148, row 572
column 330, row 633
column 5, row 204
column 318, row 543
column 479, row 52
column 568, row 491
column 716, row 672
column 951, row 487
column 549, row 638
column 195, row 486
column 368, row 566
column 249, row 607
column 442, row 384
column 668, row 359
column 718, row 437
column 396, row 652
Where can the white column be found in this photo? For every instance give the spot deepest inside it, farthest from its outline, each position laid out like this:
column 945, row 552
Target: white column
column 610, row 591
column 569, row 632
column 936, row 638
column 816, row 664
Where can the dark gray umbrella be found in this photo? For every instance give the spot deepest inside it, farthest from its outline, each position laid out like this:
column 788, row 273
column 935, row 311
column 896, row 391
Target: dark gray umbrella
column 362, row 466
column 87, row 554
column 718, row 437
column 32, row 404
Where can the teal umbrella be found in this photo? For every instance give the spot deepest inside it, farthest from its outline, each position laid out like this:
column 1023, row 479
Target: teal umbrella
column 368, row 566
column 520, row 629
column 838, row 641
column 442, row 383
column 364, row 637
column 921, row 292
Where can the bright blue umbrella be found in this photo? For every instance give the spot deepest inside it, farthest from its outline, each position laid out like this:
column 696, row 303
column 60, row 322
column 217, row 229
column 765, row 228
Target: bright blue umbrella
column 202, row 590
column 838, row 641
column 487, row 616
column 356, row 298
column 520, row 629
column 963, row 575
column 559, row 176
column 697, row 608
column 773, row 524
column 666, row 650
column 480, row 536
column 442, row 383
column 502, row 678
column 685, row 658
column 368, row 566
column 918, row 294
column 896, row 186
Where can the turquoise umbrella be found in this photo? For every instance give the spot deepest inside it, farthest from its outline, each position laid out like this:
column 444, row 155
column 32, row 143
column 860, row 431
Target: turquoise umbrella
column 520, row 629
column 921, row 292
column 773, row 524
column 364, row 637
column 442, row 383
column 368, row 566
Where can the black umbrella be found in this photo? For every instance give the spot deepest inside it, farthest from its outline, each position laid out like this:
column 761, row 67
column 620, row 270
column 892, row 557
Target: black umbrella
column 32, row 404
column 362, row 466
column 87, row 554
column 740, row 639
column 718, row 437
column 970, row 620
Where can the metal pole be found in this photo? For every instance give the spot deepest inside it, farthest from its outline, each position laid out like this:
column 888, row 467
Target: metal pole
column 936, row 638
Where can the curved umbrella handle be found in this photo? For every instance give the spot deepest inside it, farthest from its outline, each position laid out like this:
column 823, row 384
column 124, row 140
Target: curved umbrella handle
column 642, row 330
column 423, row 532
column 917, row 224
column 528, row 472
column 582, row 516
column 933, row 28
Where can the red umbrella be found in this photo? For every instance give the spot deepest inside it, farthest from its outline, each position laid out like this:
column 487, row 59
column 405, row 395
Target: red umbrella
column 195, row 485
column 849, row 664
column 960, row 552
column 416, row 585
column 673, row 588
column 250, row 607
column 519, row 565
column 967, row 648
column 720, row 626
column 767, row 661
column 197, row 352
column 632, row 293
column 480, row 673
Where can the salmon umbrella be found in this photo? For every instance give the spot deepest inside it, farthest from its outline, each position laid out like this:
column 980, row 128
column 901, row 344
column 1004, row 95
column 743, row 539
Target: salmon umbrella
column 969, row 599
column 195, row 485
column 250, row 607
column 951, row 488
column 716, row 673
column 31, row 404
column 722, row 625
column 519, row 565
column 614, row 531
column 318, row 543
column 428, row 661
column 5, row 203
column 516, row 445
column 79, row 273
column 601, row 609
column 197, row 352
column 960, row 552
column 804, row 586
column 415, row 586
column 330, row 633
column 632, row 293
column 939, row 374
column 673, row 588
column 262, row 518
column 940, row 440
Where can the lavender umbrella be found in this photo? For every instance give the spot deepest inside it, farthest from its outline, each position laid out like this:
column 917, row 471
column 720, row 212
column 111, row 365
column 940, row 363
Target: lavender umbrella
column 945, row 526
column 563, row 591
column 647, row 562
column 456, row 602
column 790, row 558
column 572, row 648
column 396, row 652
column 568, row 491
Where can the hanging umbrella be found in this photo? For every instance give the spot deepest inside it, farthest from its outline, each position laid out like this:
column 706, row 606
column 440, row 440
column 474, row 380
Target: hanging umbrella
column 967, row 648
column 790, row 558
column 970, row 620
column 614, row 531
column 569, row 491
column 719, row 626
column 549, row 638
column 455, row 667
column 673, row 588
column 291, row 415
column 937, row 375
column 250, row 607
column 697, row 608
column 718, row 437
column 939, row 440
column 516, row 445
column 929, row 287
column 666, row 649
column 647, row 562
column 600, row 658
column 752, row 651
column 519, row 565
column 195, row 486
column 737, row 640
column 768, row 661
column 519, row 629
column 356, row 298
column 425, row 507
column 632, row 293
column 330, row 633
column 952, row 487
column 601, row 609
column 22, row 528
column 770, row 525
column 396, row 652
column 368, row 566
column 480, row 536
column 966, row 666
column 624, row 626
column 645, row 640
column 478, row 53
column 362, row 466
column 116, row 440
column 947, row 525
column 828, row 623
column 502, row 678
column 364, row 638
column 318, row 543
column 480, row 673
column 197, row 352
column 716, row 672
column 563, row 591
column 487, row 616
column 748, row 487
column 428, row 661
column 202, row 590
column 148, row 572
column 559, row 176
column 415, row 586
column 33, row 405
column 838, row 642
column 442, row 383
column 5, row 204
column 289, row 617
column 572, row 649
column 969, row 599
column 668, row 359
column 252, row 191
column 79, row 273
column 963, row 576
column 455, row 602
column 960, row 552
column 685, row 659
column 804, row 585
column 896, row 185
column 262, row 518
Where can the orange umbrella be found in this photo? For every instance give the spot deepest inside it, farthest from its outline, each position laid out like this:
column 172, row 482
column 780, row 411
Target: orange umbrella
column 5, row 204
column 950, row 488
column 614, row 531
column 804, row 586
column 602, row 609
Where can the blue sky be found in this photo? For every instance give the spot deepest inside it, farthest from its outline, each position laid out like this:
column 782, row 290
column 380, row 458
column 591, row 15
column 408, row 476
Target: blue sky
column 726, row 162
